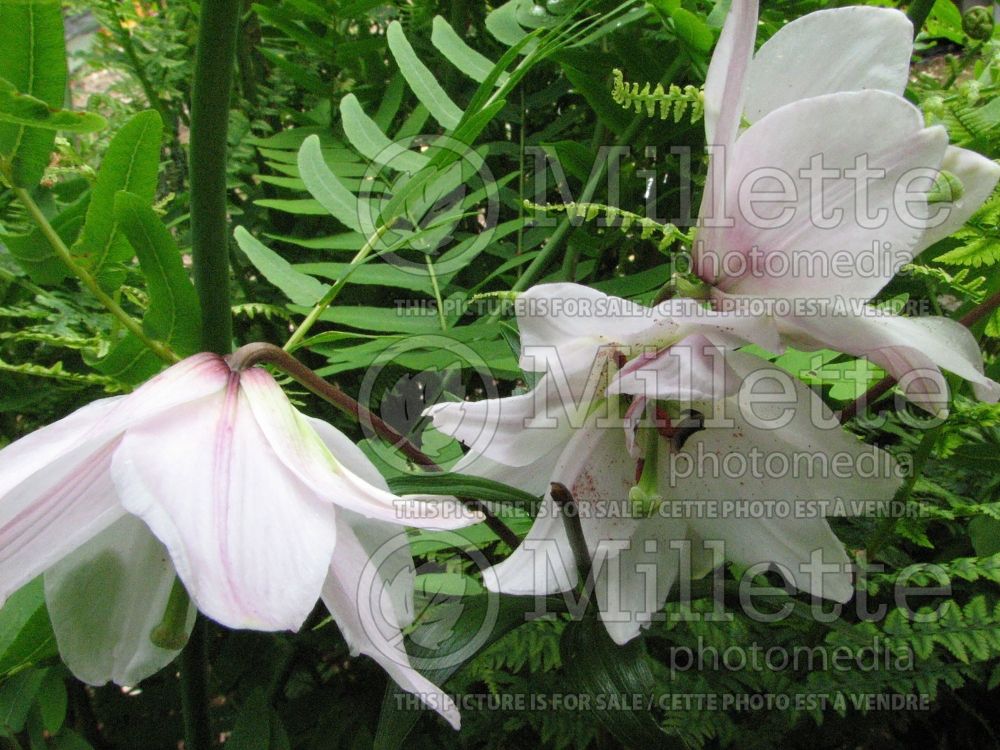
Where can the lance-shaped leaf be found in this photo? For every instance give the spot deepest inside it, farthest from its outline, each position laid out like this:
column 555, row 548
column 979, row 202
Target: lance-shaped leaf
column 22, row 109
column 421, row 80
column 33, row 61
column 595, row 665
column 298, row 287
column 131, row 163
column 174, row 314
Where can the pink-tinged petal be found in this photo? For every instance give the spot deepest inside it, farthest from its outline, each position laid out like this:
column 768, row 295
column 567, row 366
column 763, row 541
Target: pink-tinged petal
column 106, row 598
column 784, row 448
column 632, row 586
column 516, row 430
column 296, row 444
column 726, row 80
column 53, row 511
column 250, row 540
column 795, row 235
column 47, row 446
column 691, row 370
column 102, row 421
column 978, row 176
column 845, row 236
column 354, row 594
column 865, row 48
column 912, row 350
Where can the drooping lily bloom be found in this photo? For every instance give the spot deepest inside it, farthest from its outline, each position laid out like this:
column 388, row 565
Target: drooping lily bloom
column 815, row 206
column 210, row 473
column 603, row 446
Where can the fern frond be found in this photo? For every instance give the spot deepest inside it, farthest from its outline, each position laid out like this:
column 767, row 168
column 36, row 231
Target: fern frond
column 622, row 219
column 671, row 100
column 972, row 289
column 255, row 309
column 56, row 372
column 982, row 251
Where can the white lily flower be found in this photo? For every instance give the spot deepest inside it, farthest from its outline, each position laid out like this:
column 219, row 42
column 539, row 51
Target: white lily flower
column 207, row 472
column 851, row 163
column 585, row 440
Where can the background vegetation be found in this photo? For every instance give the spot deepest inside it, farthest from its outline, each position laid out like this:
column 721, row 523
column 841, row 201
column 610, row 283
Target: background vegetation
column 322, row 87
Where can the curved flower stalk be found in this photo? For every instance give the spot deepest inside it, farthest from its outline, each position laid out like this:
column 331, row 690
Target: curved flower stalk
column 210, row 472
column 647, row 478
column 836, row 184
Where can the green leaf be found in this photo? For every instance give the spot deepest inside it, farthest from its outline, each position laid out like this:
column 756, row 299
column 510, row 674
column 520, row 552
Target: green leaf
column 473, row 64
column 131, row 163
column 462, row 485
column 324, row 186
column 985, row 535
column 52, row 701
column 25, row 631
column 596, row 666
column 372, row 143
column 34, row 253
column 421, row 80
column 298, row 287
column 17, row 696
column 174, row 315
column 21, row 109
column 33, row 61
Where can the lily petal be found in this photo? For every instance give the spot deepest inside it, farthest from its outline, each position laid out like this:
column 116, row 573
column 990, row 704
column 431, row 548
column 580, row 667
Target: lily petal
column 632, row 586
column 106, row 598
column 516, row 430
column 53, row 511
column 725, row 82
column 250, row 540
column 369, row 626
column 869, row 48
column 296, row 444
column 776, row 451
column 786, row 248
column 912, row 350
column 690, row 370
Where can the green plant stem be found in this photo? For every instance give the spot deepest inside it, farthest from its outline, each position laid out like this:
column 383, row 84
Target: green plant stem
column 362, row 255
column 161, row 350
column 194, row 691
column 213, row 78
column 545, row 256
column 437, row 294
column 885, row 531
column 918, row 12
